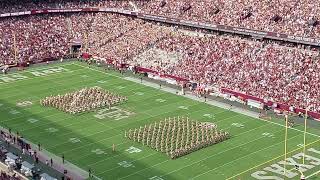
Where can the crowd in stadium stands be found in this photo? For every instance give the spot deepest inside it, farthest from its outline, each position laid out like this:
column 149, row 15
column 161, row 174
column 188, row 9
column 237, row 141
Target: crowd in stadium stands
column 266, row 70
column 123, row 36
column 263, row 69
column 291, row 17
column 282, row 16
column 36, row 38
column 112, row 36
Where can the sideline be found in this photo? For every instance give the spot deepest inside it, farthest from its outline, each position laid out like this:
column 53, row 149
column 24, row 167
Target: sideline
column 191, row 96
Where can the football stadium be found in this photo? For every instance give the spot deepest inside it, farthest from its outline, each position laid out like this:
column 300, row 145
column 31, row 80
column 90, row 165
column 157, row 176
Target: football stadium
column 159, row 90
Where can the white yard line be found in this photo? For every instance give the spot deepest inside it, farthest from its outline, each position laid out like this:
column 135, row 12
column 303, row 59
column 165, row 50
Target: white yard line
column 93, row 69
column 143, row 157
column 36, row 77
column 313, row 174
column 154, row 116
column 290, row 127
column 54, row 122
column 40, row 68
column 51, row 122
column 37, row 113
column 197, row 99
column 129, row 141
column 45, row 124
column 224, row 142
column 168, row 160
column 50, row 80
column 156, row 87
column 116, row 127
column 239, row 158
column 67, row 142
column 88, row 144
column 131, row 90
column 136, row 121
column 207, row 156
column 96, row 177
column 190, row 96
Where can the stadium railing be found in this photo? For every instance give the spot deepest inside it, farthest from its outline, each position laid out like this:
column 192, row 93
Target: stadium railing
column 223, row 91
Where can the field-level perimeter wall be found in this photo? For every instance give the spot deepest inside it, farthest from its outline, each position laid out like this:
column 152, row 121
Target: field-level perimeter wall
column 224, row 93
column 251, row 101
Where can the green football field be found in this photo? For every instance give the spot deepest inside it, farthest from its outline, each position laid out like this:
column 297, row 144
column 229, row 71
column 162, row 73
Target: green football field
column 255, row 150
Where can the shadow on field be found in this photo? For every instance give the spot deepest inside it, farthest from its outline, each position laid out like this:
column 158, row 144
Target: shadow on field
column 87, row 154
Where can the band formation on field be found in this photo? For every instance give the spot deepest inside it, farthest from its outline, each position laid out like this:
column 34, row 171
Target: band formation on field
column 113, row 125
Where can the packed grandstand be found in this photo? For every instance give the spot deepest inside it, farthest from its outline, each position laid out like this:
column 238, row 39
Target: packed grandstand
column 289, row 17
column 269, row 70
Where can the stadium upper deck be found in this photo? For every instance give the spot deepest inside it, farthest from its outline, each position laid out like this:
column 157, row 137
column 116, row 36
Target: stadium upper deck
column 266, row 70
column 292, row 17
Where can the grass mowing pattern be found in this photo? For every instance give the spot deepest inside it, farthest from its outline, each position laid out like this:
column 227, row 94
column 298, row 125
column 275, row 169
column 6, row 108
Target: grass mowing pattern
column 246, row 152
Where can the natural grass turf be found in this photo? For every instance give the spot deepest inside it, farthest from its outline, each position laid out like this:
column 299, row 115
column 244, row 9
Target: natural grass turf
column 246, row 152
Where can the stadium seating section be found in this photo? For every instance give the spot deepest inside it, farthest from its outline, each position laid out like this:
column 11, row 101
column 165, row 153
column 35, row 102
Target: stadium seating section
column 292, row 17
column 269, row 70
